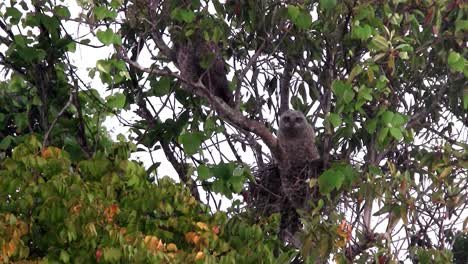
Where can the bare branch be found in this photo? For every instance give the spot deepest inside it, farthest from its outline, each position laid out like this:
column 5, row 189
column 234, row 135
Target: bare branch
column 284, row 86
column 247, row 67
column 225, row 111
column 46, row 136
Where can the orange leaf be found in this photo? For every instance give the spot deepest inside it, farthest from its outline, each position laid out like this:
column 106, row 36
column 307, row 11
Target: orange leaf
column 199, row 255
column 50, row 152
column 215, row 230
column 189, row 236
column 98, row 254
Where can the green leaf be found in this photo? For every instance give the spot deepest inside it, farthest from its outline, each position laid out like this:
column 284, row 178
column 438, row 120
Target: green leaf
column 219, row 186
column 185, row 15
column 354, row 72
column 456, row 61
column 71, row 47
column 380, row 43
column 293, row 12
column 112, row 254
column 327, row 4
column 382, row 134
column 334, row 119
column 349, row 173
column 51, row 23
column 396, row 133
column 398, row 120
column 365, row 93
column 361, row 32
column 160, row 87
column 101, row 12
column 64, row 256
column 191, row 142
column 300, row 17
column 340, row 87
column 348, row 95
column 116, row 3
column 14, row 14
column 329, row 180
column 385, row 209
column 304, row 20
column 461, row 25
column 403, row 55
column 453, row 57
column 116, row 101
column 375, row 170
column 203, row 172
column 237, row 183
column 21, row 121
column 62, row 11
column 371, row 126
column 223, row 170
column 6, row 142
column 387, row 118
column 108, row 37
column 405, row 48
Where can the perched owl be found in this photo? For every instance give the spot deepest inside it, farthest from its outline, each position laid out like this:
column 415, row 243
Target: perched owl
column 296, row 139
column 190, row 57
column 299, row 162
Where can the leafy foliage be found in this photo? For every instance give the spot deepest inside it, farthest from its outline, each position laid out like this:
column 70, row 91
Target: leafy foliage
column 383, row 82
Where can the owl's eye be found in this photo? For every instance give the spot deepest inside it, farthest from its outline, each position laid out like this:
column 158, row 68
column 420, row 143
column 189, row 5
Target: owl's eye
column 298, row 120
column 286, row 118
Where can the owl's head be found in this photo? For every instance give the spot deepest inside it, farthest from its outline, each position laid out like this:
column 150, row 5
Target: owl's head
column 292, row 121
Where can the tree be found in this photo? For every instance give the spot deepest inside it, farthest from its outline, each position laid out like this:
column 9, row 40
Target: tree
column 382, row 82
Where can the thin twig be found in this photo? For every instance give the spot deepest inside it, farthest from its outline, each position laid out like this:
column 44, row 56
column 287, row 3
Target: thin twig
column 70, row 99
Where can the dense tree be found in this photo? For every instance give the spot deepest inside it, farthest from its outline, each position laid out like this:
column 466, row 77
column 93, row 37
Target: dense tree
column 383, row 83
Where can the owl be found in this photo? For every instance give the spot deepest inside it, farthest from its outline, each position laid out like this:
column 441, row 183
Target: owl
column 296, row 138
column 190, row 56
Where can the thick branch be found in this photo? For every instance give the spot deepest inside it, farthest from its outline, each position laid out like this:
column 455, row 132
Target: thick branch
column 179, row 167
column 156, row 19
column 225, row 111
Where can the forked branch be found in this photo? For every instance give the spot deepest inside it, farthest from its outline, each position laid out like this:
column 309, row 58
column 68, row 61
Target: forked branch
column 229, row 114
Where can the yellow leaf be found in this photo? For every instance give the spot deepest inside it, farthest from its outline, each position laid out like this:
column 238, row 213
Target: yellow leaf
column 340, row 243
column 445, row 172
column 370, row 75
column 171, row 247
column 202, row 226
column 11, row 248
column 391, row 64
column 199, row 255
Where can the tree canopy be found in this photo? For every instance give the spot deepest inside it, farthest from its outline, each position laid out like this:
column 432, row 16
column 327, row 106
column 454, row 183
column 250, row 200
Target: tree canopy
column 382, row 82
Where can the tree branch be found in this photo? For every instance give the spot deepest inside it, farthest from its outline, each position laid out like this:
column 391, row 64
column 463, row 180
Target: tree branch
column 46, row 136
column 247, row 67
column 231, row 115
column 284, row 86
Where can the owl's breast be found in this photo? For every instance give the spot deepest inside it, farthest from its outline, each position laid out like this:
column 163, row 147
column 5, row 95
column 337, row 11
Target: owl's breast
column 299, row 150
